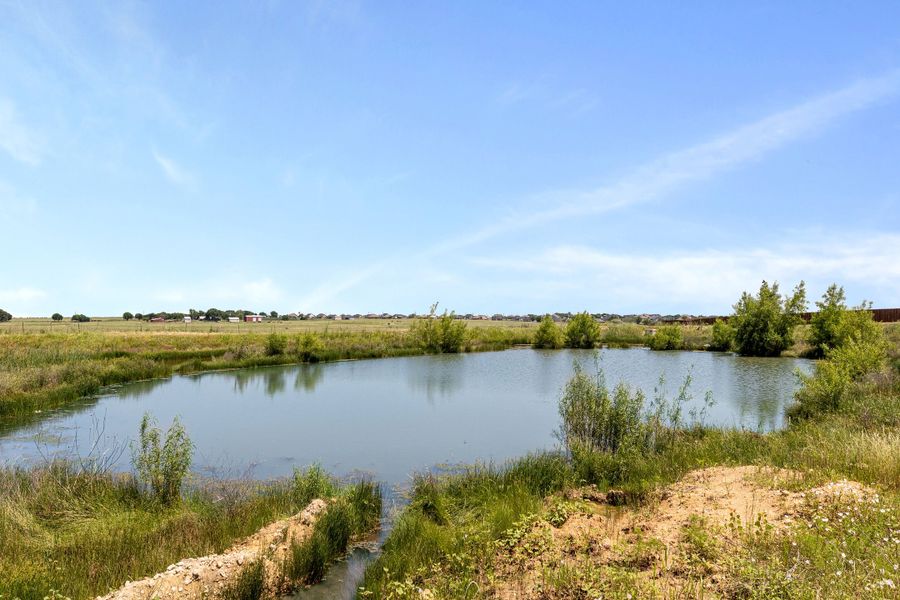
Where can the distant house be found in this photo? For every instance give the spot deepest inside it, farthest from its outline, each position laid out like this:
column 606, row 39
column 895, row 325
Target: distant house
column 253, row 318
column 233, row 320
column 157, row 320
column 187, row 319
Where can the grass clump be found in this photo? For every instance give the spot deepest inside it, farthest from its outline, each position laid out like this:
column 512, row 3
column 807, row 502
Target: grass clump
column 249, row 585
column 354, row 513
column 310, row 483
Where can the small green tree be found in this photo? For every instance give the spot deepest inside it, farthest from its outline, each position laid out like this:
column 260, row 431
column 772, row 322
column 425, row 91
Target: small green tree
column 834, row 325
column 162, row 467
column 80, row 318
column 439, row 334
column 548, row 334
column 668, row 337
column 4, row 316
column 582, row 331
column 57, row 317
column 764, row 324
column 127, row 316
column 722, row 336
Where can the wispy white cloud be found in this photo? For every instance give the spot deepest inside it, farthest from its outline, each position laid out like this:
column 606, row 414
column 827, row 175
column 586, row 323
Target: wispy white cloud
column 541, row 92
column 16, row 139
column 714, row 278
column 321, row 295
column 21, row 295
column 255, row 293
column 672, row 172
column 173, row 171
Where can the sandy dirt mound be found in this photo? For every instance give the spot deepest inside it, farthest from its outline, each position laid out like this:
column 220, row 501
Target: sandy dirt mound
column 718, row 495
column 648, row 541
column 207, row 575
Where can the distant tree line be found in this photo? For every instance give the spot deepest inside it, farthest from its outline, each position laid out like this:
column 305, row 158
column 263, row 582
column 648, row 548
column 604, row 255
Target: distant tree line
column 210, row 314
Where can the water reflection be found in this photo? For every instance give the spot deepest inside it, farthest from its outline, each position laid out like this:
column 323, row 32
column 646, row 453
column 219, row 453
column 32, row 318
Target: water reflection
column 441, row 379
column 308, row 377
column 139, row 389
column 395, row 416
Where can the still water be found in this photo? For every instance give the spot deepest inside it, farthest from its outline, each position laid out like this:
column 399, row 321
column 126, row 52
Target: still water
column 393, row 417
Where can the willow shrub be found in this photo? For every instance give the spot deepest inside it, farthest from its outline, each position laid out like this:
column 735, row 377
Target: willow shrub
column 548, row 334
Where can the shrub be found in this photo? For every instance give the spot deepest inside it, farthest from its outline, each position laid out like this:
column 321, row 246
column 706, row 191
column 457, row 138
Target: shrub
column 834, row 379
column 4, row 316
column 594, row 418
column 162, row 468
column 764, row 324
column 722, row 336
column 308, row 347
column 548, row 334
column 582, row 331
column 275, row 344
column 668, row 337
column 80, row 318
column 439, row 334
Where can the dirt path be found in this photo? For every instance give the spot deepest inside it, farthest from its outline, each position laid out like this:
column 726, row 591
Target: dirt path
column 207, row 575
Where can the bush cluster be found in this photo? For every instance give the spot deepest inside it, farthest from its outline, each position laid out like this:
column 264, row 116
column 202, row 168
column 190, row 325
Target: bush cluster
column 439, row 334
column 668, row 337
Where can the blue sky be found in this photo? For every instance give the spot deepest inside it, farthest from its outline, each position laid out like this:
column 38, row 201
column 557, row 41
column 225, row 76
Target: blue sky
column 495, row 156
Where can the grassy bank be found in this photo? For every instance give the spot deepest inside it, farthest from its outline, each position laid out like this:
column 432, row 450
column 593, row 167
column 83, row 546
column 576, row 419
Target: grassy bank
column 461, row 532
column 84, row 534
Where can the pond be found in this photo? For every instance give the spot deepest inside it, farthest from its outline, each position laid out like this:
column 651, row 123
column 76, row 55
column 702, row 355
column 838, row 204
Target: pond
column 393, row 417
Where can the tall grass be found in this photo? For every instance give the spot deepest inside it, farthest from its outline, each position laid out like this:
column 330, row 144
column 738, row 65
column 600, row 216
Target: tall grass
column 355, row 512
column 84, row 534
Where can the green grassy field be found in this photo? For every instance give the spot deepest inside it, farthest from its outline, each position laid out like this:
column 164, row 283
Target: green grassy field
column 117, row 324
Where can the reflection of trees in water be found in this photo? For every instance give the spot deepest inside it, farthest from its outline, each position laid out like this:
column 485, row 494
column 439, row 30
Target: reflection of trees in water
column 761, row 388
column 139, row 389
column 275, row 381
column 435, row 375
column 272, row 380
column 308, row 377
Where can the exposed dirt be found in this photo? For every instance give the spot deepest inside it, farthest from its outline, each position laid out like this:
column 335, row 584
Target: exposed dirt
column 207, row 575
column 652, row 543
